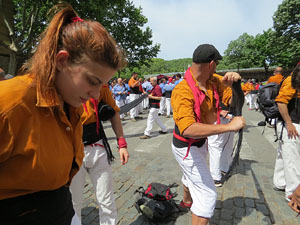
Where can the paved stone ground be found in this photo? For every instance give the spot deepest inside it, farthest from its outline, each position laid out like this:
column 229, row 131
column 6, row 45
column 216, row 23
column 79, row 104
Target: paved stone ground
column 246, row 198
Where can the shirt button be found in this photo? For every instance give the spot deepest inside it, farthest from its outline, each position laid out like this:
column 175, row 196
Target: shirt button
column 68, row 129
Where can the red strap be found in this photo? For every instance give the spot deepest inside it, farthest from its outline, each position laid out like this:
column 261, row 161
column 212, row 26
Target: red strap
column 189, row 141
column 95, row 103
column 96, row 144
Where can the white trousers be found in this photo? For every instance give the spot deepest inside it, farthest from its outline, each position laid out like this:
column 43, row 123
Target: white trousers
column 162, row 104
column 169, row 108
column 75, row 220
column 146, row 103
column 220, row 147
column 197, row 178
column 153, row 117
column 140, row 108
column 96, row 165
column 248, row 99
column 120, row 103
column 253, row 103
column 134, row 112
column 287, row 166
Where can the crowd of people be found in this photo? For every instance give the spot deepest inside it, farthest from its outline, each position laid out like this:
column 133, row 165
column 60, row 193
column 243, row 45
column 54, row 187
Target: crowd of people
column 51, row 125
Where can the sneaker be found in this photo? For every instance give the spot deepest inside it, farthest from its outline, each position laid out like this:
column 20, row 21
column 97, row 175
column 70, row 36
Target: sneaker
column 144, row 137
column 162, row 132
column 223, row 172
column 138, row 117
column 218, row 183
column 133, row 119
column 270, row 126
column 278, row 189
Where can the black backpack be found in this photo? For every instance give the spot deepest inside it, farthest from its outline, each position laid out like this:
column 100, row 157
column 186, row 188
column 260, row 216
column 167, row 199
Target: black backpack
column 156, row 203
column 266, row 100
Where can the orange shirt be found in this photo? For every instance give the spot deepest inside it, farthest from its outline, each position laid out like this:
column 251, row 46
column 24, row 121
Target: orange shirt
column 227, row 93
column 182, row 102
column 286, row 92
column 275, row 78
column 38, row 142
column 132, row 82
column 247, row 87
column 106, row 96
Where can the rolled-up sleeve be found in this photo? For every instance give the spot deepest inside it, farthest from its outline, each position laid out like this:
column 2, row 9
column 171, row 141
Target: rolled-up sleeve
column 286, row 92
column 182, row 102
column 6, row 143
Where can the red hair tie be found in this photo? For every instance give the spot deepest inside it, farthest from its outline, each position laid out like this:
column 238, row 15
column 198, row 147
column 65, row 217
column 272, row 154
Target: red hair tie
column 76, row 19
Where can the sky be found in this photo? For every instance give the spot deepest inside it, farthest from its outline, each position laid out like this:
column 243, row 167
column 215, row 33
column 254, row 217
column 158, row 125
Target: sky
column 181, row 25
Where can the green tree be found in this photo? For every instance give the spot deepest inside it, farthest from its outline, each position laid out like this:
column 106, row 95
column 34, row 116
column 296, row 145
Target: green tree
column 287, row 33
column 239, row 53
column 287, row 19
column 120, row 17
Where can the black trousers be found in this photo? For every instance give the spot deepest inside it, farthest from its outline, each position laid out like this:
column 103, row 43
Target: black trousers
column 39, row 208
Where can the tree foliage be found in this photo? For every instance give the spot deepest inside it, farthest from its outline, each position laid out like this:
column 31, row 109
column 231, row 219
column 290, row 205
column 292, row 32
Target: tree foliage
column 287, row 19
column 120, row 17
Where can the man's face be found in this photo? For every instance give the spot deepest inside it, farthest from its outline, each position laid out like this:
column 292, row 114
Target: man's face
column 278, row 70
column 153, row 81
column 120, row 81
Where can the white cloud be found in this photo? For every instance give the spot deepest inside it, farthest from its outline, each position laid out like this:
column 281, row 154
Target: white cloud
column 180, row 25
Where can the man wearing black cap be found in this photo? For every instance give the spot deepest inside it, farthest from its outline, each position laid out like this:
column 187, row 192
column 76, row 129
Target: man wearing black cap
column 195, row 101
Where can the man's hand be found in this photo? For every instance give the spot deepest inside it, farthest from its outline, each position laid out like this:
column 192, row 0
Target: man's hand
column 292, row 132
column 124, row 155
column 237, row 123
column 230, row 77
column 294, row 204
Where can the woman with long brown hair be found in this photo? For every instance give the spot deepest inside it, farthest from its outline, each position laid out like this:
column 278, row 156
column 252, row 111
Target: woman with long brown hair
column 41, row 132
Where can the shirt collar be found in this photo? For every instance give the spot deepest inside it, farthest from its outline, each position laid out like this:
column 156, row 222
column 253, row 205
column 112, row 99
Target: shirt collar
column 44, row 102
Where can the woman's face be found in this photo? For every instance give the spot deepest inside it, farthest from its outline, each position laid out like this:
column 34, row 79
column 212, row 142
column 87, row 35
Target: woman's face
column 77, row 83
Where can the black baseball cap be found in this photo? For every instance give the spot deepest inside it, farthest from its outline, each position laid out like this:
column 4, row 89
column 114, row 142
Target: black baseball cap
column 206, row 53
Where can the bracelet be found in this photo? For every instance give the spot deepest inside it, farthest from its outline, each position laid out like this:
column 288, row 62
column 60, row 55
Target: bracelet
column 122, row 143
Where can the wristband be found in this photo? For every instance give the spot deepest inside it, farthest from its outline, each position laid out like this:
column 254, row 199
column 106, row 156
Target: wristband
column 122, row 143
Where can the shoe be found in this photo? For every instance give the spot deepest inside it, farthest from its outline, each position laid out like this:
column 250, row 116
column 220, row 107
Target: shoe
column 168, row 116
column 185, row 205
column 162, row 132
column 218, row 183
column 123, row 119
column 133, row 119
column 159, row 114
column 250, row 109
column 278, row 189
column 144, row 137
column 138, row 117
column 270, row 126
column 223, row 173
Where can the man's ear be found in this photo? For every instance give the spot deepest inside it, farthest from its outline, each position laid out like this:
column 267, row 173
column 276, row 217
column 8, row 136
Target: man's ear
column 61, row 59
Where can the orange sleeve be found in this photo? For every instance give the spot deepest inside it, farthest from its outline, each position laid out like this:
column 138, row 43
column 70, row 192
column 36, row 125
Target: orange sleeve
column 107, row 97
column 182, row 102
column 6, row 143
column 286, row 92
column 131, row 82
column 226, row 94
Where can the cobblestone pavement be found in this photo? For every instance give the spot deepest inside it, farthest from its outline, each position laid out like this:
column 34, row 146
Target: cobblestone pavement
column 246, row 198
